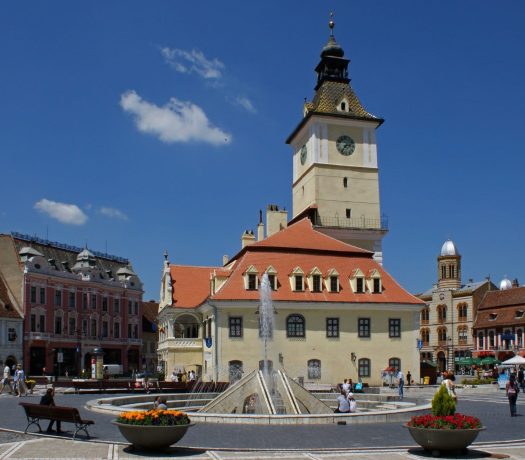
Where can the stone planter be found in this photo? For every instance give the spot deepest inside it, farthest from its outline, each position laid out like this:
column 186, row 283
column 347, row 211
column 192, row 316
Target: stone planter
column 152, row 437
column 443, row 440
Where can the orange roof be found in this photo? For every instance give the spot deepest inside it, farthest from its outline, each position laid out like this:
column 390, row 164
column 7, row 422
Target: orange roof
column 297, row 246
column 150, row 310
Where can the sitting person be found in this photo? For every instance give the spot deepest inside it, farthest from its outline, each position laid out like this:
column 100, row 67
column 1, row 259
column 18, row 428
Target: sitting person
column 156, row 402
column 343, row 406
column 174, row 377
column 48, row 400
column 162, row 404
column 352, row 403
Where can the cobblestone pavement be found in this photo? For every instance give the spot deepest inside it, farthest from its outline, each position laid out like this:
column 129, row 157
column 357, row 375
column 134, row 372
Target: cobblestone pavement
column 504, row 436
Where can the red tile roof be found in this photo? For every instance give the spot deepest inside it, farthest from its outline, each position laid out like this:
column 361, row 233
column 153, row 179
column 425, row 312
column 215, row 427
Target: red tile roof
column 150, row 310
column 299, row 245
column 504, row 305
column 7, row 309
column 507, row 297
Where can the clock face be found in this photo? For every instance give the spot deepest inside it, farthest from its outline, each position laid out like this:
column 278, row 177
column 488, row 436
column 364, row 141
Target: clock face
column 304, row 152
column 345, row 145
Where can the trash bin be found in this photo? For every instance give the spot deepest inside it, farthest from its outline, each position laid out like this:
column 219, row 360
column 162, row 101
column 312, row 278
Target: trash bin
column 426, row 380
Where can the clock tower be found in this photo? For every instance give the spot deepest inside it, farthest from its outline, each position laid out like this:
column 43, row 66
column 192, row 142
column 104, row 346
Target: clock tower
column 335, row 171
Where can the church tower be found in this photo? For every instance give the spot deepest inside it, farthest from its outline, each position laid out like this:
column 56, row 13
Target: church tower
column 335, row 170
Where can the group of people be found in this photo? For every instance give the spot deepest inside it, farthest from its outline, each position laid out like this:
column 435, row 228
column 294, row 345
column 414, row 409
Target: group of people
column 178, row 376
column 16, row 383
column 346, row 402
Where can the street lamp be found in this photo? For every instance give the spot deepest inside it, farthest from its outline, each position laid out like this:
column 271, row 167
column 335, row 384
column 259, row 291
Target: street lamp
column 450, row 354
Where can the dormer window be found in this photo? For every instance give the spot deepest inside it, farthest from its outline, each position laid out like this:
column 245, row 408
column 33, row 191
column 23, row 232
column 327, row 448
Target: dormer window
column 316, row 283
column 272, row 277
column 493, row 316
column 377, row 285
column 374, row 283
column 359, row 285
column 357, row 282
column 332, row 280
column 298, row 282
column 344, row 106
column 315, row 280
column 519, row 313
column 251, row 281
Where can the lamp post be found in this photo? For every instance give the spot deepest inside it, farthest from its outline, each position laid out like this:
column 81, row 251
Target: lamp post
column 450, row 347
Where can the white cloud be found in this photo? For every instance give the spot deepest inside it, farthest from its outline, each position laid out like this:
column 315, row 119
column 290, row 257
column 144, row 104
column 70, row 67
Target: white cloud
column 177, row 121
column 63, row 212
column 113, row 213
column 192, row 61
column 245, row 103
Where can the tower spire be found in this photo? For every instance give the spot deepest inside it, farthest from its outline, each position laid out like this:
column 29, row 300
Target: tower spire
column 331, row 24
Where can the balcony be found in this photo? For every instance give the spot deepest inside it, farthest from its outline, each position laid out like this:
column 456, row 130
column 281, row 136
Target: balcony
column 360, row 223
column 185, row 344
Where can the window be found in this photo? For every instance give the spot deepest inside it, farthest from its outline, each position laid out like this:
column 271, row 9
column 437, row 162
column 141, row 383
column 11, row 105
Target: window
column 295, row 326
column 363, row 327
column 394, row 327
column 442, row 334
column 11, row 334
column 58, row 298
column 345, row 182
column 334, row 284
column 252, row 281
column 492, row 342
column 360, row 285
column 116, row 330
column 298, row 282
column 235, row 326
column 377, row 285
column 519, row 337
column 33, row 294
column 42, row 323
column 442, row 313
column 519, row 313
column 71, row 300
column 33, row 323
column 93, row 300
column 105, row 329
column 425, row 336
column 72, row 326
column 332, row 327
column 116, row 305
column 395, row 363
column 493, row 316
column 84, row 301
column 84, row 327
column 273, row 282
column 363, row 367
column 58, row 325
column 481, row 340
column 462, row 311
column 130, row 307
column 443, row 271
column 343, row 106
column 136, row 307
column 348, row 213
column 235, row 370
column 93, row 327
column 316, row 283
column 462, row 334
column 451, row 271
column 425, row 315
column 314, row 369
column 104, row 303
column 43, row 296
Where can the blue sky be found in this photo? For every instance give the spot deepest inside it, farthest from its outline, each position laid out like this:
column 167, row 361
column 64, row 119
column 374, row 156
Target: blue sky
column 144, row 126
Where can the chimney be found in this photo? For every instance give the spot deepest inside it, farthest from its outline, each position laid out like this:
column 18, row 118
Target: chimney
column 247, row 238
column 515, row 283
column 276, row 219
column 225, row 259
column 260, row 228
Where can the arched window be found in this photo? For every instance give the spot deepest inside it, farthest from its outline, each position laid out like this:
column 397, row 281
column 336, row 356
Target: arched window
column 186, row 327
column 442, row 334
column 295, row 326
column 481, row 340
column 442, row 313
column 425, row 315
column 462, row 334
column 235, row 370
column 363, row 367
column 395, row 363
column 314, row 369
column 462, row 311
column 425, row 336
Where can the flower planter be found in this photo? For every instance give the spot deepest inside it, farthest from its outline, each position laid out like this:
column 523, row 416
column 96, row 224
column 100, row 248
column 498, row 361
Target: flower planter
column 443, row 439
column 152, row 437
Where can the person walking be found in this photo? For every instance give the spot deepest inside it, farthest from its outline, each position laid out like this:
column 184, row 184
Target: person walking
column 20, row 381
column 49, row 400
column 512, row 389
column 401, row 382
column 6, row 380
column 409, row 378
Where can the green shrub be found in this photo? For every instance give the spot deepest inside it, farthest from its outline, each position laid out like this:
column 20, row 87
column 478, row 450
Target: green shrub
column 442, row 403
column 477, row 381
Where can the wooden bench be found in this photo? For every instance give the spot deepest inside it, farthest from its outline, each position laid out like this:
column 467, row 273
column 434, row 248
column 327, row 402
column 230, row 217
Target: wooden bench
column 37, row 412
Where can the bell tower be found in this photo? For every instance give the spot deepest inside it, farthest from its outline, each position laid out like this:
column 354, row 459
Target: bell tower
column 335, row 169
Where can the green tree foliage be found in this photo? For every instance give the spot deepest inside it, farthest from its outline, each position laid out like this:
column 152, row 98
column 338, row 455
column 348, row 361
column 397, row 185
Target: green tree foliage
column 442, row 403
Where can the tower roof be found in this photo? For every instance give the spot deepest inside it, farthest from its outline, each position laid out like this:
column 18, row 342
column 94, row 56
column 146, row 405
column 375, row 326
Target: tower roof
column 449, row 249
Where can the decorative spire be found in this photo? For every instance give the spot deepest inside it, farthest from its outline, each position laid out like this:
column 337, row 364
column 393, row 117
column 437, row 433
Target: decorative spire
column 331, row 24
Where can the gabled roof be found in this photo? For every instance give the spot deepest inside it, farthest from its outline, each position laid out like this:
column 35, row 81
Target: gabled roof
column 505, row 298
column 191, row 285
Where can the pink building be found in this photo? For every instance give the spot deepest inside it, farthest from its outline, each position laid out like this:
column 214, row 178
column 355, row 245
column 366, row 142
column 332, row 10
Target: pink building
column 73, row 300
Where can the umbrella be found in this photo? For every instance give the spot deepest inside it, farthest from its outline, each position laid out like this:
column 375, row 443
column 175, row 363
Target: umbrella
column 515, row 360
column 465, row 361
column 489, row 360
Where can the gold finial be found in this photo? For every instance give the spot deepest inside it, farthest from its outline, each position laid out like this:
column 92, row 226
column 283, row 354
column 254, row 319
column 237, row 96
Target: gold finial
column 331, row 24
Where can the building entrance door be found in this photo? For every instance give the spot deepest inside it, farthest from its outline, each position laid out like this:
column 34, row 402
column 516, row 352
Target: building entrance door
column 37, row 360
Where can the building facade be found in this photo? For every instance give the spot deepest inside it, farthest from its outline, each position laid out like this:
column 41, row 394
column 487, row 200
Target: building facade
column 337, row 313
column 150, row 336
column 72, row 301
column 11, row 327
column 499, row 328
column 335, row 160
column 448, row 317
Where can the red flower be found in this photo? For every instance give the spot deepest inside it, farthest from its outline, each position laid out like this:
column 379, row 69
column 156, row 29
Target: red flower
column 449, row 422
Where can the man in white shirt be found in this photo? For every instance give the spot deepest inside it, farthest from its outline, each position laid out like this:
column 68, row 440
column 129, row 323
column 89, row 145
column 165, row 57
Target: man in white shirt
column 6, row 380
column 343, row 406
column 345, row 386
column 401, row 382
